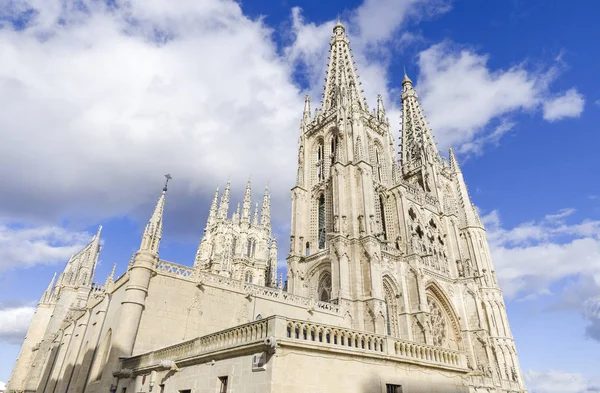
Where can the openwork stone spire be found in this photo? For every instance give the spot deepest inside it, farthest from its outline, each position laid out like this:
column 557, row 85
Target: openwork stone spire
column 341, row 73
column 418, row 146
column 224, row 205
column 212, row 215
column 265, row 215
column 469, row 216
column 247, row 202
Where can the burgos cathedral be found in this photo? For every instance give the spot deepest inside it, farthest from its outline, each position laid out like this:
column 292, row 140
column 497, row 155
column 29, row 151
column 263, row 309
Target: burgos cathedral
column 390, row 286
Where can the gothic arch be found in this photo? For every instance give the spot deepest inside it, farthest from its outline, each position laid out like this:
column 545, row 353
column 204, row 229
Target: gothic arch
column 435, row 294
column 391, row 294
column 315, row 274
column 324, row 287
column 317, row 160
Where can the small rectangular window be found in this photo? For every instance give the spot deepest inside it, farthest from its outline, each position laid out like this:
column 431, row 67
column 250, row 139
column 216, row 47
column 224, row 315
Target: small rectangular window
column 222, row 384
column 124, row 390
column 186, row 391
column 390, row 388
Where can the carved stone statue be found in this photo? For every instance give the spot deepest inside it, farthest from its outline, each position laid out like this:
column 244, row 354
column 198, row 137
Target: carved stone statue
column 344, row 225
column 361, row 224
column 336, row 224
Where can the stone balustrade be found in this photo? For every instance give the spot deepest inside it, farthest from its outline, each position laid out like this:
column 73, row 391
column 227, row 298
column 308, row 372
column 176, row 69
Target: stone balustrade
column 370, row 342
column 253, row 332
column 174, row 269
column 266, row 292
column 292, row 332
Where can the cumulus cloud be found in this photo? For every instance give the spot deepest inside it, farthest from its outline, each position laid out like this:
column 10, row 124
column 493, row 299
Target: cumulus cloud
column 559, row 382
column 26, row 247
column 570, row 104
column 531, row 256
column 100, row 101
column 463, row 96
column 14, row 323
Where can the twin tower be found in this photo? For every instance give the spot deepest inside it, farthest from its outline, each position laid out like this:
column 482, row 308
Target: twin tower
column 392, row 239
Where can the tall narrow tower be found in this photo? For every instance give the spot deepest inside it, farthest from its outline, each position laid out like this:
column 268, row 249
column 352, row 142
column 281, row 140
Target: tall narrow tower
column 345, row 163
column 398, row 245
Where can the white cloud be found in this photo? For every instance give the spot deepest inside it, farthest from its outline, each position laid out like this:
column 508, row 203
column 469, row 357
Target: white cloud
column 2, row 386
column 559, row 382
column 14, row 323
column 532, row 256
column 470, row 104
column 570, row 104
column 97, row 109
column 26, row 247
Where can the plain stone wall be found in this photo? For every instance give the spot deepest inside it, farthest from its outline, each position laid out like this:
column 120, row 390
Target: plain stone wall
column 177, row 310
column 300, row 371
column 204, row 378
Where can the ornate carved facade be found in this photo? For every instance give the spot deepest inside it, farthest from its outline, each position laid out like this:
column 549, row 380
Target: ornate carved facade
column 389, row 280
column 395, row 238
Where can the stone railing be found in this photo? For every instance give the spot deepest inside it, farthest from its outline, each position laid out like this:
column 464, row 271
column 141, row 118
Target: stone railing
column 175, row 270
column 291, row 332
column 253, row 332
column 97, row 288
column 373, row 343
column 266, row 292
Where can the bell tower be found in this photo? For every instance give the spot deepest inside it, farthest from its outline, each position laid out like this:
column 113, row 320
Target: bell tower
column 346, row 161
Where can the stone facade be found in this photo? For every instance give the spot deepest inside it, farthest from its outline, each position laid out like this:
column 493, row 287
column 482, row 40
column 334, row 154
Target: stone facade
column 390, row 288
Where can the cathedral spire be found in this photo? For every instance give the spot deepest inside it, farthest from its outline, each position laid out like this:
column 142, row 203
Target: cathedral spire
column 380, row 108
column 468, row 213
column 224, row 205
column 341, row 74
column 418, row 146
column 265, row 214
column 306, row 114
column 212, row 215
column 153, row 230
column 452, row 161
column 111, row 276
column 47, row 295
column 247, row 202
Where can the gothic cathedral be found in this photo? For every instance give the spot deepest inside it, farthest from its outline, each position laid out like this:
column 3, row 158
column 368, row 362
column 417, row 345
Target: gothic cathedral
column 390, row 285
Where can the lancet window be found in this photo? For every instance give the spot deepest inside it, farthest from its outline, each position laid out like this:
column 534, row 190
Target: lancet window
column 320, row 169
column 321, row 217
column 382, row 213
column 251, row 248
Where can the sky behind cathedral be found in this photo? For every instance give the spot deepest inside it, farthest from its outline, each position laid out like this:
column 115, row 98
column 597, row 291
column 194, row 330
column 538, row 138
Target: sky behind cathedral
column 99, row 99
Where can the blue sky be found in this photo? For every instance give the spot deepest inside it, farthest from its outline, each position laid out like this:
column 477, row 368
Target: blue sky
column 101, row 98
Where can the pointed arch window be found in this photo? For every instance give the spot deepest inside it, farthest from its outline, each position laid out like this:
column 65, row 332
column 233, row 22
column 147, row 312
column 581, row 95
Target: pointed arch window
column 378, row 164
column 251, row 248
column 233, row 245
column 320, row 173
column 321, row 213
column 382, row 210
column 324, row 287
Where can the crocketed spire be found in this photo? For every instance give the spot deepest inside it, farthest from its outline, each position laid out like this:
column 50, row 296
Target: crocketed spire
column 247, row 202
column 153, row 231
column 341, row 74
